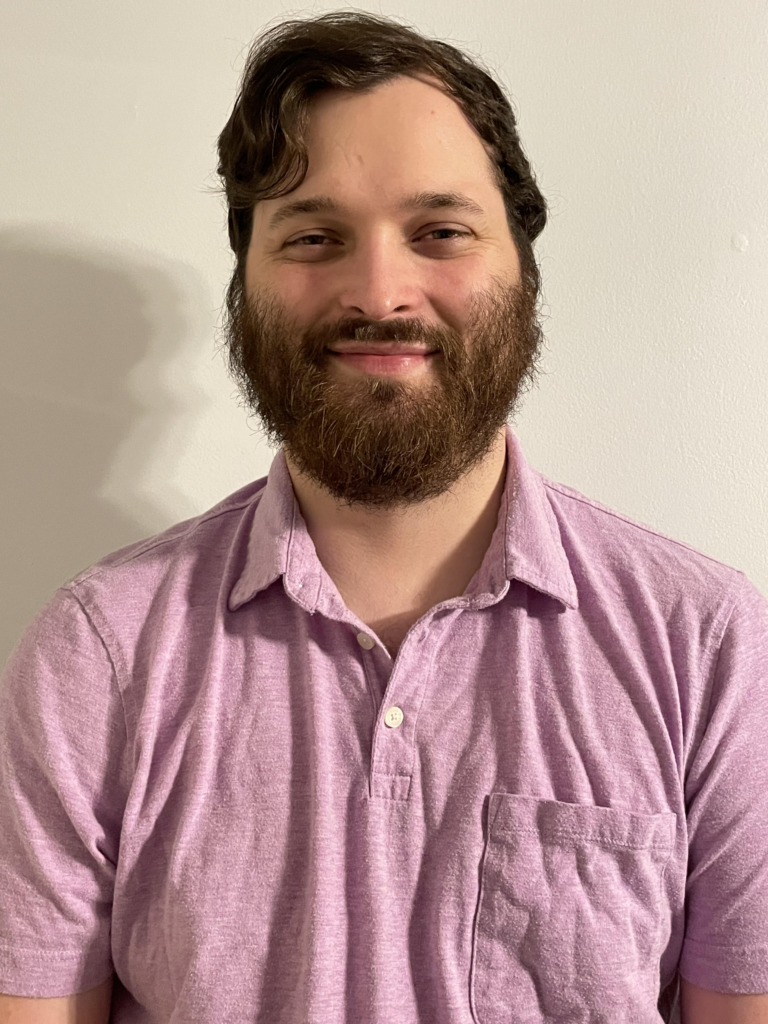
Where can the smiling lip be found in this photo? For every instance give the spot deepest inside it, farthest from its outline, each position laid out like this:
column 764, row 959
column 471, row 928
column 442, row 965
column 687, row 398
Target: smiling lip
column 385, row 359
column 382, row 348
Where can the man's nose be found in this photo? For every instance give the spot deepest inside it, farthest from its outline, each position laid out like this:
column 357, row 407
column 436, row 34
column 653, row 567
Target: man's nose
column 380, row 277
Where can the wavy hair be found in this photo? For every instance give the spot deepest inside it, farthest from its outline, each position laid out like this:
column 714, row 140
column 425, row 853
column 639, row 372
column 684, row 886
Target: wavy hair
column 262, row 149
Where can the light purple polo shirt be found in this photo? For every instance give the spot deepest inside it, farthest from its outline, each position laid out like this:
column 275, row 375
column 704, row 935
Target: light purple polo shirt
column 217, row 782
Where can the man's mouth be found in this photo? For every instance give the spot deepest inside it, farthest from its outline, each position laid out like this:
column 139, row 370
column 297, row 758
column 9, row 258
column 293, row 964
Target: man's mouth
column 382, row 348
column 383, row 358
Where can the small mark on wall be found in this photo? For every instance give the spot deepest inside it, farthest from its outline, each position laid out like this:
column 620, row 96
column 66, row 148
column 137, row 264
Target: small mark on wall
column 740, row 242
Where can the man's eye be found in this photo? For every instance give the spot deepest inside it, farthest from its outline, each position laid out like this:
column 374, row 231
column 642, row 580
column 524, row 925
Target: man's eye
column 447, row 233
column 309, row 240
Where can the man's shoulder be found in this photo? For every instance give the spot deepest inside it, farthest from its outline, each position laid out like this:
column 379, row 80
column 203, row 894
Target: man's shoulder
column 604, row 543
column 194, row 549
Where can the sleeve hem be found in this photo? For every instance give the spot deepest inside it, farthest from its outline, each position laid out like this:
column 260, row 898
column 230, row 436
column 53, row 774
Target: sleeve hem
column 42, row 973
column 736, row 970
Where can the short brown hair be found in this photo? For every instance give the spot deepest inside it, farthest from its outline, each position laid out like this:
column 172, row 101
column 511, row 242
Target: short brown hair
column 262, row 152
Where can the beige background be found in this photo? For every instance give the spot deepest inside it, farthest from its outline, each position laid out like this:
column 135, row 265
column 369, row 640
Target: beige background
column 648, row 125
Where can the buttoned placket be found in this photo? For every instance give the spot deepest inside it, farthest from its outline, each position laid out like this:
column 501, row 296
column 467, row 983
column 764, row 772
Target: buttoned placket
column 400, row 699
column 400, row 686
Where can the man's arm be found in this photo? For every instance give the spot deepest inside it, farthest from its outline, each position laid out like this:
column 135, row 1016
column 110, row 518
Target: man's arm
column 701, row 1006
column 64, row 776
column 91, row 1007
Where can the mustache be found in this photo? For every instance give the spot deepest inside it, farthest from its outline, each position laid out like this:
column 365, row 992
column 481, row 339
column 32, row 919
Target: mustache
column 414, row 329
column 360, row 329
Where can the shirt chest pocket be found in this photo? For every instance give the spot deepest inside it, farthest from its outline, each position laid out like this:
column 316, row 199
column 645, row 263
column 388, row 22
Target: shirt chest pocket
column 571, row 913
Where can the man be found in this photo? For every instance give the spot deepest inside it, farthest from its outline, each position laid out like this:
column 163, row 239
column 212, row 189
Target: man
column 402, row 732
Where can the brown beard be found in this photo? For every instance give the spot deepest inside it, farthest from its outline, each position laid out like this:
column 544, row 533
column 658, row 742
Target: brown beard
column 375, row 441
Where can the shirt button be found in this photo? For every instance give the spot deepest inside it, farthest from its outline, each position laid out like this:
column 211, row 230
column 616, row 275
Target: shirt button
column 393, row 717
column 366, row 641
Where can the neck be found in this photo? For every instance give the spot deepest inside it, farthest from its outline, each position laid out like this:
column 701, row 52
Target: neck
column 393, row 564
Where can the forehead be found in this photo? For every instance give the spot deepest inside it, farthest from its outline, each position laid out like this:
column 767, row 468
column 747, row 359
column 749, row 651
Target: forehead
column 404, row 136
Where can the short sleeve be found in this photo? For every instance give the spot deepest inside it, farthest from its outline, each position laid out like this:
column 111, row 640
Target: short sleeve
column 62, row 794
column 726, row 935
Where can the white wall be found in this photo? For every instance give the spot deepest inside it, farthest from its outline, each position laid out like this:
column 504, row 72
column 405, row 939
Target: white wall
column 648, row 125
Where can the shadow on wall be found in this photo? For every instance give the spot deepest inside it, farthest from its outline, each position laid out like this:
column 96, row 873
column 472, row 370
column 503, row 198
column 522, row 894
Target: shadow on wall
column 74, row 322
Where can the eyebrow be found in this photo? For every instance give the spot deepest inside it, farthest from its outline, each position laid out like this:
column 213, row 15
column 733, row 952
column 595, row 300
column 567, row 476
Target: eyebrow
column 417, row 201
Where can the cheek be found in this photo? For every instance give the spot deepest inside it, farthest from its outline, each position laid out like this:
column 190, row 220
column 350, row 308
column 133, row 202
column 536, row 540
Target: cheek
column 450, row 286
column 305, row 284
column 296, row 288
column 451, row 278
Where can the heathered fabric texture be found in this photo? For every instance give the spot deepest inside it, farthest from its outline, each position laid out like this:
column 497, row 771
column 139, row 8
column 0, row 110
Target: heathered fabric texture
column 198, row 787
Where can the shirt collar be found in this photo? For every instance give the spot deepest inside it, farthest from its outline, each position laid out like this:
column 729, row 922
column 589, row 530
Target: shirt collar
column 534, row 549
column 525, row 546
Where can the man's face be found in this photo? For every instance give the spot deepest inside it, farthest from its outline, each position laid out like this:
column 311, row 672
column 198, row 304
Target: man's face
column 386, row 329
